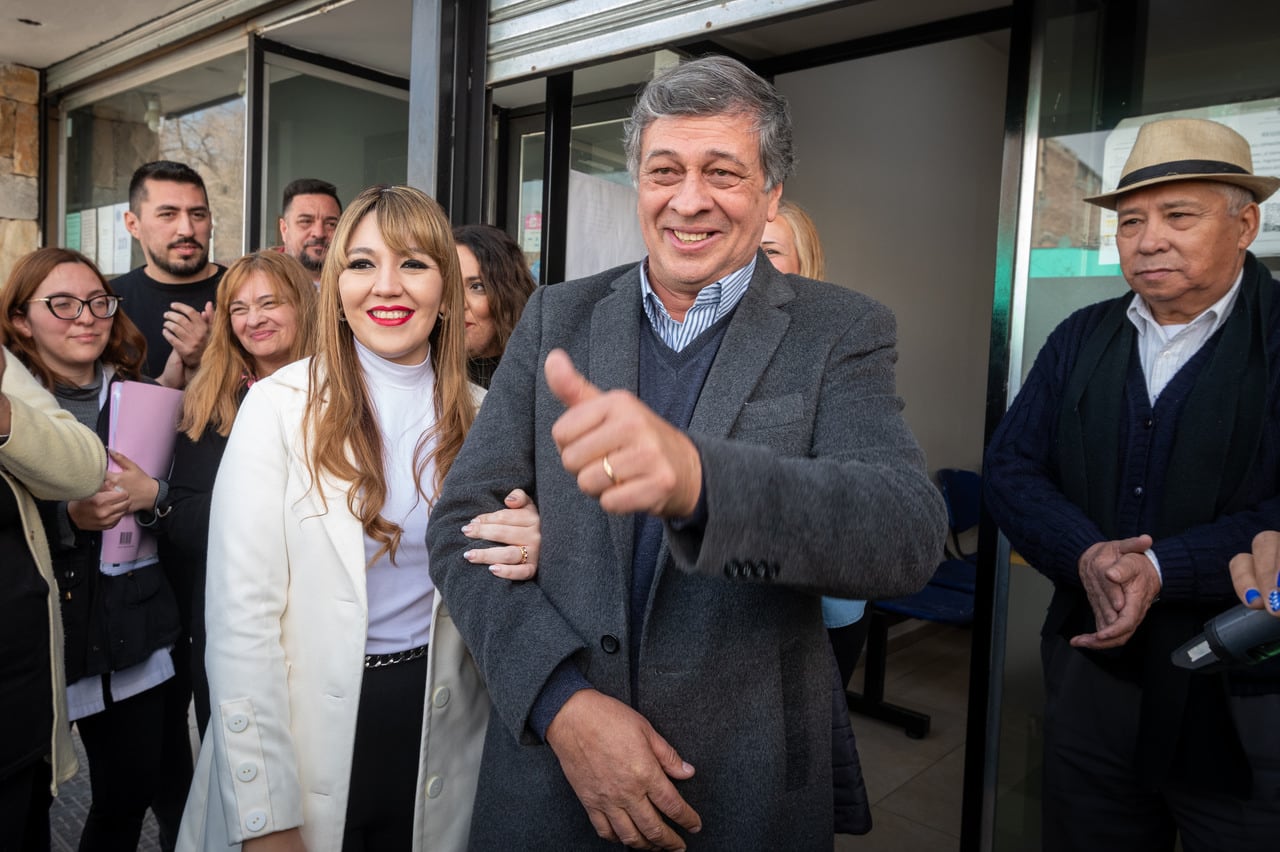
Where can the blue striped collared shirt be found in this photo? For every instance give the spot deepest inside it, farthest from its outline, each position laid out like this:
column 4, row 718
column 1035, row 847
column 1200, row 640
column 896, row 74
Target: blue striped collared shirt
column 713, row 303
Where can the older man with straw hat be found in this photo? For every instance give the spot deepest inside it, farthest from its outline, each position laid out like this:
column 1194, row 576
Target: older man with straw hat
column 1141, row 454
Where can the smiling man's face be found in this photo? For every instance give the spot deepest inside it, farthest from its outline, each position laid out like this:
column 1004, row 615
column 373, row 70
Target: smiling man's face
column 703, row 205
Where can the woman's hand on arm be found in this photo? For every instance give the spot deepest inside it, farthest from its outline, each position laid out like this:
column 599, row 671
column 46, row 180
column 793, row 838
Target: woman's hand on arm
column 519, row 529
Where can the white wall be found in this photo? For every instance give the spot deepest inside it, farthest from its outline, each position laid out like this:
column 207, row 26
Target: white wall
column 899, row 165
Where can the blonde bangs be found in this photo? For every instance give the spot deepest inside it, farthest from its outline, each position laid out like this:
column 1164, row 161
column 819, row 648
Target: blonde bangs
column 343, row 438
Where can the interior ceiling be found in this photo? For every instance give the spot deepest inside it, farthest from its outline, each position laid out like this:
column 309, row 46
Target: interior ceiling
column 376, row 34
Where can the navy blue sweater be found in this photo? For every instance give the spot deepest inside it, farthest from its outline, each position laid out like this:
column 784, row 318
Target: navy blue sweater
column 1024, row 496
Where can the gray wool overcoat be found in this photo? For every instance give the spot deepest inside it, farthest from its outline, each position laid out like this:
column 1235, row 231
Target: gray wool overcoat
column 814, row 485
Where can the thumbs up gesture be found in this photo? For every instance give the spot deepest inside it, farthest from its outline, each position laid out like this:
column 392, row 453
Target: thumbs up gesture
column 622, row 453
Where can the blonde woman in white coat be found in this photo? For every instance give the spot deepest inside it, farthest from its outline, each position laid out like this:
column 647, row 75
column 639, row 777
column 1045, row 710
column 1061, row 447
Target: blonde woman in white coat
column 346, row 712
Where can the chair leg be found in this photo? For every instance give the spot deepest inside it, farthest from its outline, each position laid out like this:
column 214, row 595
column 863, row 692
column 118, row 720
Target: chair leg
column 870, row 702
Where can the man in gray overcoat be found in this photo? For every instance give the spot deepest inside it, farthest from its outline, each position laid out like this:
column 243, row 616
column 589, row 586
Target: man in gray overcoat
column 713, row 445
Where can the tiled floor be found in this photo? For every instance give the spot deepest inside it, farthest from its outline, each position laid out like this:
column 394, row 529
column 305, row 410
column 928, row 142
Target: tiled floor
column 915, row 785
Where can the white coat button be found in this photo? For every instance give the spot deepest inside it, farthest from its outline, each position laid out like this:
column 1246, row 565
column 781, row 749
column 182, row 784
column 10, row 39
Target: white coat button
column 246, row 772
column 435, row 786
column 237, row 723
column 255, row 821
column 441, row 696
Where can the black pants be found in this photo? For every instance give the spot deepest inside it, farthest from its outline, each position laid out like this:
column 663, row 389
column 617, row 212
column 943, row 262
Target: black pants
column 1093, row 801
column 123, row 744
column 199, row 675
column 24, row 809
column 384, row 766
column 176, row 765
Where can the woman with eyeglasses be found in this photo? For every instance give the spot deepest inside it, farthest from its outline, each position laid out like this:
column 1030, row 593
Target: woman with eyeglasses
column 62, row 320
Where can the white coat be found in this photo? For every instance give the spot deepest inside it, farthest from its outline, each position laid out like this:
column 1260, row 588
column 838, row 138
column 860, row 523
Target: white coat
column 287, row 617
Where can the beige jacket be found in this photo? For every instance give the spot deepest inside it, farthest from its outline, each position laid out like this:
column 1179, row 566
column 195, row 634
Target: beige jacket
column 287, row 616
column 49, row 456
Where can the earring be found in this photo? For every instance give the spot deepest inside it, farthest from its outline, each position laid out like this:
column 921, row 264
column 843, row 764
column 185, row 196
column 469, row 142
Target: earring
column 342, row 315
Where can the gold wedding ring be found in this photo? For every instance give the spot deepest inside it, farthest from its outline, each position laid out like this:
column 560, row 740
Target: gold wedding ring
column 524, row 554
column 608, row 469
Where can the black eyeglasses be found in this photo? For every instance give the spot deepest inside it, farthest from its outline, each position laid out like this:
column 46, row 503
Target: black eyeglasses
column 69, row 307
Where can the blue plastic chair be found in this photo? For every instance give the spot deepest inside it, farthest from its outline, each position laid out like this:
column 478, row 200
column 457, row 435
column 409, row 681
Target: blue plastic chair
column 946, row 599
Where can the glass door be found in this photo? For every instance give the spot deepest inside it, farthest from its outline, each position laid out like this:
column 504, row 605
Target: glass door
column 1108, row 67
column 322, row 123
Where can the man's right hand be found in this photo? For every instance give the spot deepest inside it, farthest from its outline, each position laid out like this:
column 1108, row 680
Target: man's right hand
column 618, row 766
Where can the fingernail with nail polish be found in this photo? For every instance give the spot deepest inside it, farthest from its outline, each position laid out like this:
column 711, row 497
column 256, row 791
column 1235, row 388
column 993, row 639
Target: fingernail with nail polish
column 1273, row 600
column 1252, row 595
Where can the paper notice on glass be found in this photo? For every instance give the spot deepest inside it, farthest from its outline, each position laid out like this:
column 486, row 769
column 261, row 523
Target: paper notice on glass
column 1257, row 121
column 89, row 234
column 123, row 241
column 144, row 427
column 602, row 230
column 106, row 240
column 72, row 238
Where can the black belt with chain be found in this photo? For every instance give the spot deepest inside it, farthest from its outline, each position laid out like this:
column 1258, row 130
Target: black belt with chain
column 377, row 661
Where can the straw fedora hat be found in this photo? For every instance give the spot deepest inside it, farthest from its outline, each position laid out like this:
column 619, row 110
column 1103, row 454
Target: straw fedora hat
column 1188, row 149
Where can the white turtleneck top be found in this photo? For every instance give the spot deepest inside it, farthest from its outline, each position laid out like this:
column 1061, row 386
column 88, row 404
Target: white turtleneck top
column 400, row 594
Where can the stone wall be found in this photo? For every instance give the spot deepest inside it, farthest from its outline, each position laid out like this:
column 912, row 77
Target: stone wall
column 19, row 164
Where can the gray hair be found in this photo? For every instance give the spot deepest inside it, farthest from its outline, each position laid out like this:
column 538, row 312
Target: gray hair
column 1237, row 197
column 714, row 86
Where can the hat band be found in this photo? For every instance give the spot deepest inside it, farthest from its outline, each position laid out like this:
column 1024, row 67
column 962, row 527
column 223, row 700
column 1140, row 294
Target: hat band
column 1181, row 168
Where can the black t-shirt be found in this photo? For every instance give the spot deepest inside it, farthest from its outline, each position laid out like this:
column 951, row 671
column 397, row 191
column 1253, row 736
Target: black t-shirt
column 146, row 300
column 26, row 688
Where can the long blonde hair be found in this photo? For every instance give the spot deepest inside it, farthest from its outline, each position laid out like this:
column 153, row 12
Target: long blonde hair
column 343, row 438
column 813, row 263
column 213, row 397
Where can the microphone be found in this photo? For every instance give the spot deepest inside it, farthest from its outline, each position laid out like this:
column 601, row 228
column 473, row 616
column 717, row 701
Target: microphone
column 1238, row 637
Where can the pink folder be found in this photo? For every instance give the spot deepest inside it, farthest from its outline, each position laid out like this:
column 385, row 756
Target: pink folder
column 144, row 426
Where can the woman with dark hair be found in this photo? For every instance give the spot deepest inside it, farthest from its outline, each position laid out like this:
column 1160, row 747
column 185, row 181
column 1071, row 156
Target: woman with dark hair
column 120, row 620
column 497, row 283
column 347, row 713
column 264, row 317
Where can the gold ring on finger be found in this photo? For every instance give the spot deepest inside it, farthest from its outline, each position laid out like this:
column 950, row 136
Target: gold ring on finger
column 524, row 554
column 608, row 469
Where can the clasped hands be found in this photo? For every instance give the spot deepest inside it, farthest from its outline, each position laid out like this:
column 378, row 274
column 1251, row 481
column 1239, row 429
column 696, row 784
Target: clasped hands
column 1121, row 584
